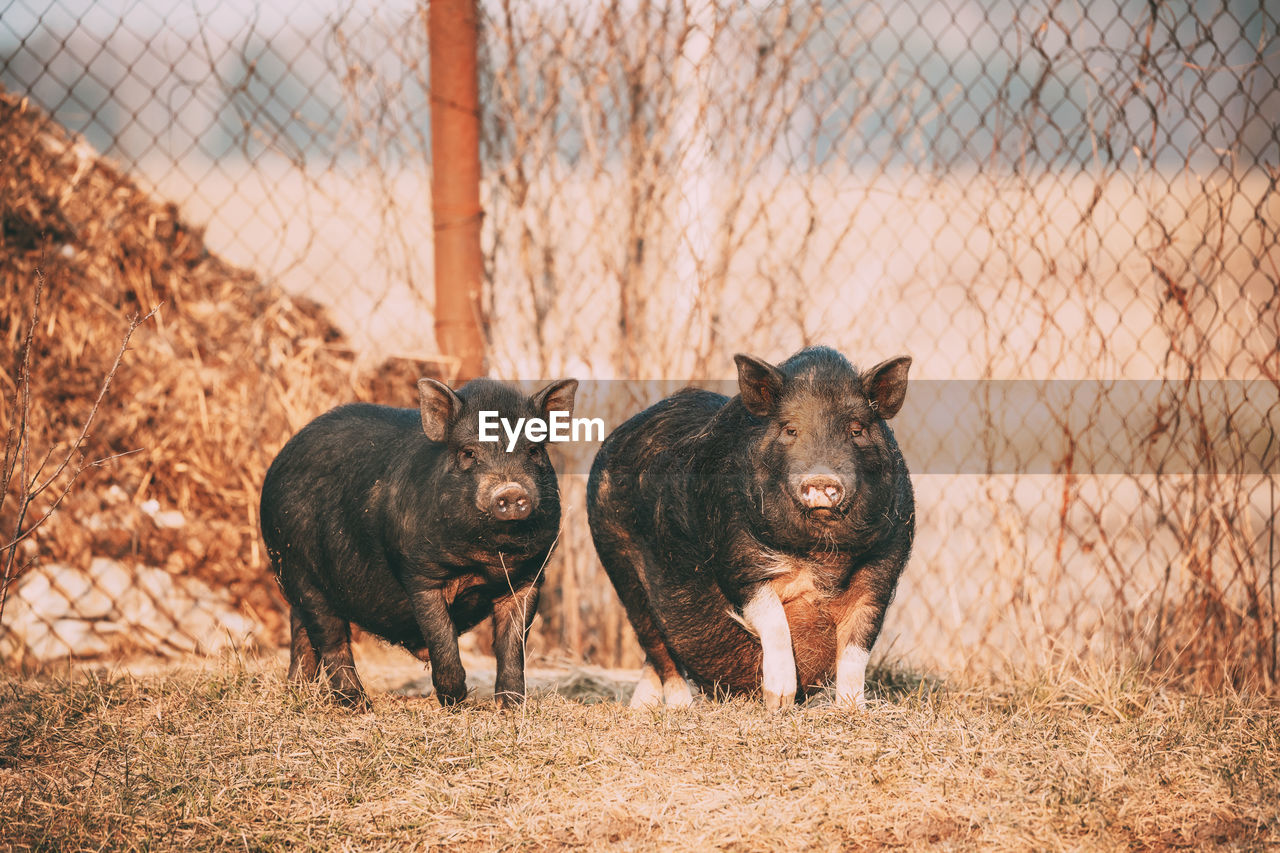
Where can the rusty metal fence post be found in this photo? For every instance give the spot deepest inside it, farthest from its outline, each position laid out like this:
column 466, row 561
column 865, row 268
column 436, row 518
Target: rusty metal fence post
column 455, row 182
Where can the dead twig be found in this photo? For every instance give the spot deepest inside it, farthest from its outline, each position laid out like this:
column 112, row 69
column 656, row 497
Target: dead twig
column 18, row 446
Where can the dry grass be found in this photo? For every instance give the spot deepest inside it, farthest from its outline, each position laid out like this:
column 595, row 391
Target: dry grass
column 227, row 755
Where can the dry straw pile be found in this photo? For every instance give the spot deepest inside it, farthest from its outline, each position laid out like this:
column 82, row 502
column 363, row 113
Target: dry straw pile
column 210, row 388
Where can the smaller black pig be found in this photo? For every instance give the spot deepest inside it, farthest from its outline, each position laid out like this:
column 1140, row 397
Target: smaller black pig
column 404, row 523
column 757, row 541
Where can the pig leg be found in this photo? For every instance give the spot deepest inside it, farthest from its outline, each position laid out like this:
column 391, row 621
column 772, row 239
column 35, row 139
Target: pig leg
column 653, row 689
column 432, row 613
column 675, row 690
column 330, row 635
column 851, row 676
column 862, row 611
column 319, row 636
column 660, row 681
column 303, row 664
column 648, row 692
column 512, row 616
column 764, row 614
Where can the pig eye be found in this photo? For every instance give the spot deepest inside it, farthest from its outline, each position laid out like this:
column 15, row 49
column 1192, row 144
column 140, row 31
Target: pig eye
column 533, row 449
column 855, row 429
column 790, row 431
column 468, row 454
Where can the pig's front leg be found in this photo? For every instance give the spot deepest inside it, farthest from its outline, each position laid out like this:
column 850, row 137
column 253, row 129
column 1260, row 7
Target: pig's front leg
column 861, row 612
column 851, row 676
column 764, row 614
column 512, row 616
column 432, row 613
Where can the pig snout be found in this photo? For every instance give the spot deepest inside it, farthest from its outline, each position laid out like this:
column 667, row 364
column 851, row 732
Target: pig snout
column 510, row 502
column 821, row 491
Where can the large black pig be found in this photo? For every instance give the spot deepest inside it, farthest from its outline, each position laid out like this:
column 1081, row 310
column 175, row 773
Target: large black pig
column 757, row 541
column 403, row 522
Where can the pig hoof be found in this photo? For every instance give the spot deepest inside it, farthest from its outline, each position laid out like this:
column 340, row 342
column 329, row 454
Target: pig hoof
column 358, row 702
column 852, row 701
column 778, row 701
column 646, row 695
column 676, row 693
column 509, row 698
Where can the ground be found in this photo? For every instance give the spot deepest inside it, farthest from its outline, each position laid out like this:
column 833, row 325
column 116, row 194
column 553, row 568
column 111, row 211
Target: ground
column 223, row 753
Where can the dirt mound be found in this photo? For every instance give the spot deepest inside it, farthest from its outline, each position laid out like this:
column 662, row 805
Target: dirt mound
column 210, row 389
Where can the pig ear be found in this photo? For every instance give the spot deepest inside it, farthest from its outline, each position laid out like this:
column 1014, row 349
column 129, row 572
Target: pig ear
column 439, row 408
column 760, row 384
column 886, row 385
column 556, row 397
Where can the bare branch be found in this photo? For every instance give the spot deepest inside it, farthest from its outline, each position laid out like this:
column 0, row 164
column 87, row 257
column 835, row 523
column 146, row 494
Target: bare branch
column 18, row 442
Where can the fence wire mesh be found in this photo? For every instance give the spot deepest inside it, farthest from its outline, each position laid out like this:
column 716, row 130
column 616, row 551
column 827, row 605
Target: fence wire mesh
column 1027, row 192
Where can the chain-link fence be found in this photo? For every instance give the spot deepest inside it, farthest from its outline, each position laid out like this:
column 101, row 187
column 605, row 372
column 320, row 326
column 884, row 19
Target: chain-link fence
column 1009, row 192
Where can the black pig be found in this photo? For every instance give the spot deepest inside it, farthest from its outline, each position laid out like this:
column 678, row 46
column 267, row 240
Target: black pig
column 403, row 522
column 757, row 541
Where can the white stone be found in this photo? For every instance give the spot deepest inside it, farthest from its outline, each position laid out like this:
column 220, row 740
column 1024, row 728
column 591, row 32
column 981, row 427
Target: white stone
column 137, row 608
column 72, row 583
column 170, row 519
column 46, row 602
column 236, row 626
column 43, row 645
column 87, row 601
column 110, row 577
column 201, row 591
column 150, row 507
column 110, row 602
column 179, row 640
column 150, row 636
column 94, row 604
column 10, row 646
column 71, row 631
column 158, row 584
column 80, row 637
column 202, row 627
column 211, row 621
column 32, row 586
column 17, row 617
